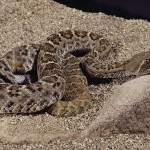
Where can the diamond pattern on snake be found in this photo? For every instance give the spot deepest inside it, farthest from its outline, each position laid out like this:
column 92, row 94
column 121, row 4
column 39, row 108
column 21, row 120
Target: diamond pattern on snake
column 60, row 86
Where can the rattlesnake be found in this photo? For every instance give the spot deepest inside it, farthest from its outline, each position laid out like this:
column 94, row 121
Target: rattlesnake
column 61, row 88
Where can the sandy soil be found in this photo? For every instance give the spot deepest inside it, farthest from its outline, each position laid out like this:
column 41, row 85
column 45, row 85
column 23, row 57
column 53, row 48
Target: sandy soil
column 31, row 21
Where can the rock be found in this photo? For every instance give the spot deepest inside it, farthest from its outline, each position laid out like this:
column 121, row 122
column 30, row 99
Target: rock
column 127, row 111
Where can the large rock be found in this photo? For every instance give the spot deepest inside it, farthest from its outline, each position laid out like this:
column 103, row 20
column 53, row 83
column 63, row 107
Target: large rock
column 127, row 111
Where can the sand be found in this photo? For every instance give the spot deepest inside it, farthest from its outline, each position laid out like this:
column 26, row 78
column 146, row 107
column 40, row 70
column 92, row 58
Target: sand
column 31, row 21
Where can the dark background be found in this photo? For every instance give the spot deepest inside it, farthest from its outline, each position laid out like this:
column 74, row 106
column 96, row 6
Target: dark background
column 128, row 9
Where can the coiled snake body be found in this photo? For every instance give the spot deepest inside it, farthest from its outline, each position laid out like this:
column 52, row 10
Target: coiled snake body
column 61, row 87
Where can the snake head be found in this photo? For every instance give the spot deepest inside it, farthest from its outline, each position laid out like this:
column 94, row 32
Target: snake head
column 139, row 64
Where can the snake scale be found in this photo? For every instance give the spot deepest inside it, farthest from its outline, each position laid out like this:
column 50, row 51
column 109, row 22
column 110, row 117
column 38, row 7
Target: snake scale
column 61, row 87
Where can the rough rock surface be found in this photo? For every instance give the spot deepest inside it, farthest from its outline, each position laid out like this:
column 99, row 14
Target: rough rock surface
column 126, row 111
